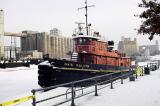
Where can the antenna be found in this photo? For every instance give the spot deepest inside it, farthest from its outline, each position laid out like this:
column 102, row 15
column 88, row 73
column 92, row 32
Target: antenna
column 86, row 15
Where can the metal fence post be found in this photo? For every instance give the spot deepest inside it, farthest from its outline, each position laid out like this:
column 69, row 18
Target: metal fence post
column 82, row 90
column 111, row 82
column 96, row 94
column 121, row 77
column 34, row 98
column 73, row 95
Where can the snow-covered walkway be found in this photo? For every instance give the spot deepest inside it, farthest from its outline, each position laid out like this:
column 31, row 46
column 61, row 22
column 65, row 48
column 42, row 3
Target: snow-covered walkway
column 145, row 91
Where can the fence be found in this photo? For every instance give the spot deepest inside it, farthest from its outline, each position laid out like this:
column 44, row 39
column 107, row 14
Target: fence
column 106, row 80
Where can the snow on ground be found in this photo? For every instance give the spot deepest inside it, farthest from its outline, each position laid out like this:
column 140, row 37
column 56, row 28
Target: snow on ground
column 157, row 57
column 17, row 82
column 145, row 91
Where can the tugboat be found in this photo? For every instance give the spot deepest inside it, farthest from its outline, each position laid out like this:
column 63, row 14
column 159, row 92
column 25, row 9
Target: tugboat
column 92, row 56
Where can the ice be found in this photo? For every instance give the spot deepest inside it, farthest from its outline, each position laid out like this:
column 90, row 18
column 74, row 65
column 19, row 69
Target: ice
column 17, row 82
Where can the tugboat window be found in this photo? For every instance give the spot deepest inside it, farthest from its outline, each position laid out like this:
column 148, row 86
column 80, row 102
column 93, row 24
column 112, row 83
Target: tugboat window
column 84, row 41
column 80, row 41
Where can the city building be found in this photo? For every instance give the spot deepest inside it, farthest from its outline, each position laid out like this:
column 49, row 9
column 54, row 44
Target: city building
column 60, row 47
column 55, row 32
column 32, row 41
column 127, row 46
column 12, row 53
column 56, row 46
column 150, row 49
column 12, row 50
column 1, row 34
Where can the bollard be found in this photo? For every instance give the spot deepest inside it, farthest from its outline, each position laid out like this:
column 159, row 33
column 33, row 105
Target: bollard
column 146, row 70
column 34, row 98
column 96, row 93
column 132, row 78
column 73, row 95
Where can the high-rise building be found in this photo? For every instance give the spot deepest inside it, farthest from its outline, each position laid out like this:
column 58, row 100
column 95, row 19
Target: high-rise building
column 55, row 32
column 60, row 46
column 1, row 34
column 55, row 46
column 152, row 49
column 33, row 40
column 126, row 45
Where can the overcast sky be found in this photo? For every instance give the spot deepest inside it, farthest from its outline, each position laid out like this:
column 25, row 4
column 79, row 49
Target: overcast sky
column 112, row 18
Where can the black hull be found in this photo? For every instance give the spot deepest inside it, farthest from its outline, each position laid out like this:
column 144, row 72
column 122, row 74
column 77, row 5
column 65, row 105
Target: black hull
column 65, row 71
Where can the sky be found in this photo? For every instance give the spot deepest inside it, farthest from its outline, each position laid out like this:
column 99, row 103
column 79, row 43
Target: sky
column 112, row 19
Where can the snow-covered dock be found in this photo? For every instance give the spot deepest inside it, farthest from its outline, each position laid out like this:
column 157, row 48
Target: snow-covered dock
column 145, row 91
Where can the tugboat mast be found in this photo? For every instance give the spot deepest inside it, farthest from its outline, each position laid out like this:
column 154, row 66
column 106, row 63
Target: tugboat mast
column 86, row 15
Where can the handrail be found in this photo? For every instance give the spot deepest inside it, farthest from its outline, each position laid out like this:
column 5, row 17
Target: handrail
column 95, row 83
column 108, row 79
column 61, row 85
